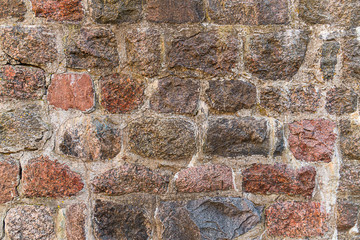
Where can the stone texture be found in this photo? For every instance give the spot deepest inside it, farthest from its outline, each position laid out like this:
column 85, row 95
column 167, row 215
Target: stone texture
column 29, row 222
column 75, row 222
column 116, row 221
column 328, row 62
column 271, row 56
column 237, row 137
column 29, row 45
column 206, row 178
column 330, row 12
column 176, row 95
column 173, row 11
column 71, row 90
column 143, row 51
column 204, row 52
column 121, row 93
column 347, row 215
column 251, row 12
column 89, row 138
column 42, row 177
column 130, row 178
column 21, row 82
column 279, row 139
column 279, row 179
column 274, row 99
column 312, row 140
column 350, row 139
column 340, row 100
column 162, row 138
column 9, row 179
column 351, row 56
column 116, row 11
column 295, row 219
column 208, row 218
column 58, row 10
column 349, row 182
column 91, row 48
column 27, row 121
column 14, row 9
column 304, row 99
column 230, row 95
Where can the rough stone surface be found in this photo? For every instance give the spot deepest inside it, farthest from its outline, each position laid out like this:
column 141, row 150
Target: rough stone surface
column 351, row 56
column 350, row 139
column 21, row 82
column 279, row 179
column 116, row 221
column 162, row 138
column 274, row 99
column 208, row 218
column 89, row 138
column 130, row 178
column 349, row 182
column 29, row 222
column 251, row 12
column 328, row 62
column 63, row 10
column 176, row 95
column 14, row 9
column 29, row 45
column 75, row 222
column 28, row 122
column 270, row 56
column 116, row 11
column 143, row 52
column 340, row 100
column 71, row 90
column 230, row 95
column 347, row 215
column 173, row 11
column 121, row 93
column 9, row 179
column 237, row 137
column 204, row 52
column 295, row 219
column 42, row 177
column 304, row 99
column 204, row 178
column 312, row 140
column 91, row 48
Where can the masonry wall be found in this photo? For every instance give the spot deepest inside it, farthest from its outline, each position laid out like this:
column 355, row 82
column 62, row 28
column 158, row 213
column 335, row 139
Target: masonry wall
column 179, row 119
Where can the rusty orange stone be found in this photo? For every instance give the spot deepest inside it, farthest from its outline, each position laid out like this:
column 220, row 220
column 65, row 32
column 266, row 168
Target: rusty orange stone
column 58, row 10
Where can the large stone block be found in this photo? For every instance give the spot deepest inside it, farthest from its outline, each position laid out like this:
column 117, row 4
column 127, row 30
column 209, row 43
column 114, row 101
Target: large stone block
column 58, row 10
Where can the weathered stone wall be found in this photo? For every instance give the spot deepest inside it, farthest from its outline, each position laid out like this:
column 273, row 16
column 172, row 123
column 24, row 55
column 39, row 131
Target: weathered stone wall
column 179, row 119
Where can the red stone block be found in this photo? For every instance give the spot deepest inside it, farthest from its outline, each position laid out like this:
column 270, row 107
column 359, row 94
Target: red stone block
column 58, row 10
column 9, row 180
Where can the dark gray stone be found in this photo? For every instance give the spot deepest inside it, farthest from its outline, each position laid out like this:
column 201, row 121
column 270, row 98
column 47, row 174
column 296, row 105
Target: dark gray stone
column 330, row 50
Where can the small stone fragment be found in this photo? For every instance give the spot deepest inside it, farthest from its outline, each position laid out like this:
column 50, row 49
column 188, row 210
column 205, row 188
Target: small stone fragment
column 304, row 99
column 237, row 137
column 29, row 222
column 162, row 138
column 351, row 56
column 205, row 178
column 9, row 179
column 22, row 129
column 328, row 62
column 72, row 90
column 58, row 10
column 75, row 222
column 208, row 218
column 121, row 93
column 274, row 99
column 312, row 140
column 349, row 182
column 116, row 11
column 21, row 82
column 347, row 215
column 89, row 138
column 279, row 179
column 14, row 8
column 116, row 221
column 271, row 56
column 45, row 178
column 340, row 100
column 176, row 95
column 91, row 48
column 173, row 11
column 230, row 95
column 350, row 139
column 295, row 219
column 29, row 45
column 130, row 178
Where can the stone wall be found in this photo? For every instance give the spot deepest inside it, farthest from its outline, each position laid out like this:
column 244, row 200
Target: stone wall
column 179, row 119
